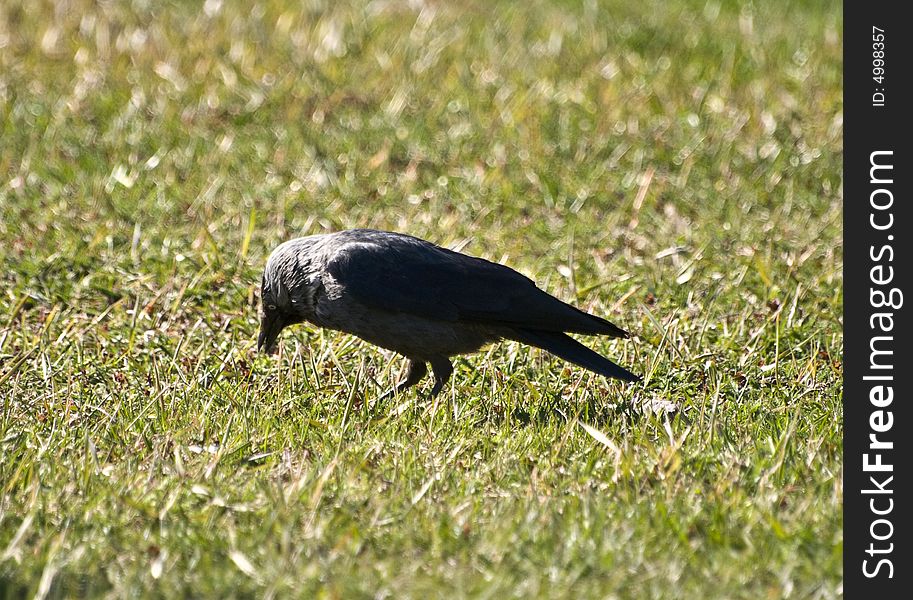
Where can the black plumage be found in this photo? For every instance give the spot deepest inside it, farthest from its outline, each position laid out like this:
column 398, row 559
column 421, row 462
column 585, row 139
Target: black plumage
column 420, row 300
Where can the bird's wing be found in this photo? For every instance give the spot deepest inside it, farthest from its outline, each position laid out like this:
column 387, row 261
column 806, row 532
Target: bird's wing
column 408, row 275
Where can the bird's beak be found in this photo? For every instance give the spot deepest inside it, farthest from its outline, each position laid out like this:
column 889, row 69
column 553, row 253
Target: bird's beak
column 270, row 326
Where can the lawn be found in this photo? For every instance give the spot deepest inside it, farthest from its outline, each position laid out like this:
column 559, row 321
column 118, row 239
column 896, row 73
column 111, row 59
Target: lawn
column 672, row 166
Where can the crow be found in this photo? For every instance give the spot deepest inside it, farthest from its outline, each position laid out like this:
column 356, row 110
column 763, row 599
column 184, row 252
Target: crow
column 422, row 301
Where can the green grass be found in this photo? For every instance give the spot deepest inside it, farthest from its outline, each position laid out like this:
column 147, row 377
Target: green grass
column 673, row 166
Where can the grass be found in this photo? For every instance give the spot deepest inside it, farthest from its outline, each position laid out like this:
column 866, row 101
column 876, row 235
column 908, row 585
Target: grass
column 673, row 166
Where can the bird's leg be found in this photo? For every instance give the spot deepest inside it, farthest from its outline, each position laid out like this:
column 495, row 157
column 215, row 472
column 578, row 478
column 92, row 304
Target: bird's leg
column 417, row 369
column 442, row 370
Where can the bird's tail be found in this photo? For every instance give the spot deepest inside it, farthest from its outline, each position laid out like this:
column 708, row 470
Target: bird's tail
column 571, row 350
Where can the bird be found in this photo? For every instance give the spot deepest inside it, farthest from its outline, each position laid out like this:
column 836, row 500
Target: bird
column 420, row 300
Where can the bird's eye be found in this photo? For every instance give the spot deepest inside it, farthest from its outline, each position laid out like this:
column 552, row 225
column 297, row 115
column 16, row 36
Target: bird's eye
column 271, row 307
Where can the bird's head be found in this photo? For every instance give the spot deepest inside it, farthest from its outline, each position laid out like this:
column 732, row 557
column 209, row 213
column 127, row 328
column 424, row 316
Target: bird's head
column 287, row 292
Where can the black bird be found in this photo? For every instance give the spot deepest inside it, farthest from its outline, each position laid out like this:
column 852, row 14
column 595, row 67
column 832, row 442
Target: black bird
column 420, row 300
